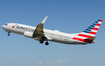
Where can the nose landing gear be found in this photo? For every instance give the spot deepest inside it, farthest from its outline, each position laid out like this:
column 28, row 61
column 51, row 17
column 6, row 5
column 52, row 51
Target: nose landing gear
column 8, row 33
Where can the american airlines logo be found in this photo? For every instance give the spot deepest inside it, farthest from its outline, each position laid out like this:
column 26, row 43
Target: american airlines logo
column 14, row 26
column 23, row 28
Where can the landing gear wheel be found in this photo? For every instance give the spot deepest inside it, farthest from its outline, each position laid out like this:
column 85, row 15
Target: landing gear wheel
column 41, row 41
column 8, row 33
column 46, row 43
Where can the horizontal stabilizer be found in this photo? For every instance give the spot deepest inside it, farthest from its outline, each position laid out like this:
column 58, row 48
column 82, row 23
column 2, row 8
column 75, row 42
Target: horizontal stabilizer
column 89, row 40
column 92, row 38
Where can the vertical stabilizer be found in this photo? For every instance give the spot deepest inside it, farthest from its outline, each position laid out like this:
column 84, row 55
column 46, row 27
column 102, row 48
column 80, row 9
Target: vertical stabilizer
column 88, row 35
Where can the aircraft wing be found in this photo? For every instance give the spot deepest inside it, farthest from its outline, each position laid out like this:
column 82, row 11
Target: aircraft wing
column 48, row 38
column 39, row 33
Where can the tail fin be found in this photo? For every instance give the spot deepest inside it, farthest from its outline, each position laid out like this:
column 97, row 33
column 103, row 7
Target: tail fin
column 91, row 30
column 88, row 35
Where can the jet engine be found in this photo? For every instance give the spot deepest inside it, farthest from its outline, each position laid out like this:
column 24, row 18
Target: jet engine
column 28, row 34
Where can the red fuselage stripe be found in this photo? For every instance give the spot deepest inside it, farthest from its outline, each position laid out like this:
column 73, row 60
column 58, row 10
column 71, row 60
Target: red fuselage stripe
column 83, row 40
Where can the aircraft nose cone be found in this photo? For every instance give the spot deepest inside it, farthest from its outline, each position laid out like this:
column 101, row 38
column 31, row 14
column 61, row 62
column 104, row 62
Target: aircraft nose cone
column 2, row 26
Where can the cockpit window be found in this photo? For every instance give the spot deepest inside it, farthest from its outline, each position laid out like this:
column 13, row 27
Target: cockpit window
column 5, row 24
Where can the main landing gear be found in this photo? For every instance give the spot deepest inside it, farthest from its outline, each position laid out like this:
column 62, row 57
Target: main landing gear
column 8, row 33
column 41, row 41
column 46, row 43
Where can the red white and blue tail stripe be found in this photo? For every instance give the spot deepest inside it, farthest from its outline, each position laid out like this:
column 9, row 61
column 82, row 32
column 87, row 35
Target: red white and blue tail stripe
column 89, row 33
column 92, row 30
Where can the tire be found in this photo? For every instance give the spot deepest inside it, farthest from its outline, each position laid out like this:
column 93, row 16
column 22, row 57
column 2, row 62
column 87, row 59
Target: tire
column 41, row 41
column 46, row 43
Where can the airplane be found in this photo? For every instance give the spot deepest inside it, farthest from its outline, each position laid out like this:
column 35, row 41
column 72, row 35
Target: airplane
column 41, row 34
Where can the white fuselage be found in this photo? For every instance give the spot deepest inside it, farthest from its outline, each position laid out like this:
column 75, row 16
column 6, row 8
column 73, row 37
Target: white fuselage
column 54, row 35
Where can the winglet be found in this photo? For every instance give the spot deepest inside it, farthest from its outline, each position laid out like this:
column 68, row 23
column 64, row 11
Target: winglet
column 43, row 21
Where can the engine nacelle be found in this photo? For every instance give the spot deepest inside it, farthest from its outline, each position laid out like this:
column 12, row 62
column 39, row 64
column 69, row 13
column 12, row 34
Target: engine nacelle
column 28, row 34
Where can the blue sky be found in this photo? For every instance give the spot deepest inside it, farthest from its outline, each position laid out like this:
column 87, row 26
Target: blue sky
column 70, row 16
